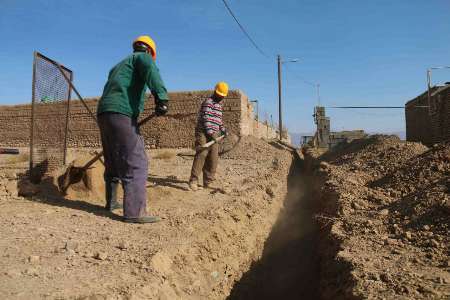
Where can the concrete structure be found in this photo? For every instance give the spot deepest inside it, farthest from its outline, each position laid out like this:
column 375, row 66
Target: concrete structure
column 326, row 139
column 322, row 136
column 175, row 130
column 429, row 123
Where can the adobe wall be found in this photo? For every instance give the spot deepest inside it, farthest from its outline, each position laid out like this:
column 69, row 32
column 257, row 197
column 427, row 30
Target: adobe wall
column 175, row 130
column 429, row 125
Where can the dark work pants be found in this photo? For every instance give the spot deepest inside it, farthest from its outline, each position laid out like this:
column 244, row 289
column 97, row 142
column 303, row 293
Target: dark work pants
column 125, row 160
column 205, row 160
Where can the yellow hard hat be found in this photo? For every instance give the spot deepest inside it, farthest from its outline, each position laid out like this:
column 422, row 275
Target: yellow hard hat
column 221, row 89
column 148, row 41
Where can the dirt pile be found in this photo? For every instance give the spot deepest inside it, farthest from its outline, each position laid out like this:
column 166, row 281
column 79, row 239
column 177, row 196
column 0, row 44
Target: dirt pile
column 91, row 185
column 385, row 220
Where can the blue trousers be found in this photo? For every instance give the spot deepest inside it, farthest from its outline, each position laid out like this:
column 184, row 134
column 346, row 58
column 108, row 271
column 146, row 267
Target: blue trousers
column 125, row 160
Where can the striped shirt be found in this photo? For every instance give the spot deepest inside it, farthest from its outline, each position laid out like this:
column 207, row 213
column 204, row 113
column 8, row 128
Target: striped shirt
column 210, row 117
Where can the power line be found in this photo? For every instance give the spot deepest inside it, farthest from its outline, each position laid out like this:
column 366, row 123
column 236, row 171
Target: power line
column 244, row 31
column 374, row 107
column 302, row 79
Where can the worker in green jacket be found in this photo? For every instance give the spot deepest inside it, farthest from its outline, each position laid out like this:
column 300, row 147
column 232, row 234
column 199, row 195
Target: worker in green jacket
column 118, row 110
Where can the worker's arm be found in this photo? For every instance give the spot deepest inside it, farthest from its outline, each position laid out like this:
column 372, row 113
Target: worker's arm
column 148, row 71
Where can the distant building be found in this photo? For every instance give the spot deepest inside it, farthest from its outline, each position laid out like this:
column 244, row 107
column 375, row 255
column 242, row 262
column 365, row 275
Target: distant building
column 323, row 127
column 428, row 116
column 324, row 138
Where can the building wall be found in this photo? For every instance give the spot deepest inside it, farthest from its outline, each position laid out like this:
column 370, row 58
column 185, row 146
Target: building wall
column 175, row 130
column 345, row 136
column 429, row 125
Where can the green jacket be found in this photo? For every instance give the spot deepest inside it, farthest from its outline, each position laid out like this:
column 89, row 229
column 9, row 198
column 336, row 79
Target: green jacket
column 125, row 89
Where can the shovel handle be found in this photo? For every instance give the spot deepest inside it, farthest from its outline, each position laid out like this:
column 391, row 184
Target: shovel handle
column 210, row 143
column 100, row 154
column 146, row 119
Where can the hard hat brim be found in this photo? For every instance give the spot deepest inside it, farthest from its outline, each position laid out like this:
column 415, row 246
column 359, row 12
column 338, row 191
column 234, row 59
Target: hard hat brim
column 221, row 94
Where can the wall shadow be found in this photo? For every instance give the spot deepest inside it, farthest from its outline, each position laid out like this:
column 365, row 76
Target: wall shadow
column 289, row 267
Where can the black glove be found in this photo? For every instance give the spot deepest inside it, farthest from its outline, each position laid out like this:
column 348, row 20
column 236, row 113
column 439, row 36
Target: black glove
column 161, row 108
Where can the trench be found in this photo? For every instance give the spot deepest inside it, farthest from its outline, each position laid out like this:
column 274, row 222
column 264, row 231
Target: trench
column 289, row 266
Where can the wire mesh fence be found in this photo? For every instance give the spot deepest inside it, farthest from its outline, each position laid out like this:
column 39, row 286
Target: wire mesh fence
column 49, row 113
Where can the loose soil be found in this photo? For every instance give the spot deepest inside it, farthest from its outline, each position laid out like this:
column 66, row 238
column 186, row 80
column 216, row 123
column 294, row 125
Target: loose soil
column 71, row 248
column 385, row 220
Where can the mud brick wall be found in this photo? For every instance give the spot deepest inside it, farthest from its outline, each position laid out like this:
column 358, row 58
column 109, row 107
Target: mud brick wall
column 15, row 125
column 175, row 130
column 429, row 125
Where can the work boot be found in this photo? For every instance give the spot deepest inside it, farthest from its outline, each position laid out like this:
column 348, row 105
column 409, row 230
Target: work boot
column 142, row 220
column 211, row 185
column 193, row 186
column 111, row 196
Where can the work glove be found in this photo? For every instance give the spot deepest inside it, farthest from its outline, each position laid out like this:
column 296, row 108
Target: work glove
column 224, row 131
column 214, row 136
column 161, row 108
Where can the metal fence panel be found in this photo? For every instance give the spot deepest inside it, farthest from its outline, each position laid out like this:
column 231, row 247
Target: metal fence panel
column 50, row 109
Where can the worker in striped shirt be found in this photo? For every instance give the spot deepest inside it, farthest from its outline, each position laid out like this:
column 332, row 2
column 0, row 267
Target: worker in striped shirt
column 209, row 128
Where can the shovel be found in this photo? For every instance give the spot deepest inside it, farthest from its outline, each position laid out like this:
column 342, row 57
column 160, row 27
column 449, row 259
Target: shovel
column 75, row 174
column 210, row 143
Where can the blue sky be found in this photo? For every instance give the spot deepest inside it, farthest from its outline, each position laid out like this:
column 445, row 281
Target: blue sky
column 361, row 52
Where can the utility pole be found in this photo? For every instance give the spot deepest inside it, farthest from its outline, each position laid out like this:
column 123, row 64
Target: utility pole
column 429, row 83
column 280, row 112
column 429, row 90
column 318, row 94
column 257, row 111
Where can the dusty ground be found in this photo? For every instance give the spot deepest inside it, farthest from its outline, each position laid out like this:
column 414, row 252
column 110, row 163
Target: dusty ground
column 56, row 248
column 385, row 219
column 382, row 209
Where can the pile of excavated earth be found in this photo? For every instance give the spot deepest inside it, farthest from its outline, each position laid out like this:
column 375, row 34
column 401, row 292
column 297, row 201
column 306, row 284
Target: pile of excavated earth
column 385, row 220
column 68, row 247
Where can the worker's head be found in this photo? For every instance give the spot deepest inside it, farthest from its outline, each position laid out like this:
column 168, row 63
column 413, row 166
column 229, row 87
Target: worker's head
column 220, row 91
column 144, row 43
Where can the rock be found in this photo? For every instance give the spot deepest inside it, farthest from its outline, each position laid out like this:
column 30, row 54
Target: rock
column 434, row 243
column 389, row 241
column 71, row 245
column 384, row 212
column 215, row 274
column 31, row 271
column 324, row 165
column 358, row 205
column 101, row 256
column 34, row 259
column 88, row 254
column 11, row 188
column 426, row 227
column 385, row 277
column 270, row 191
column 408, row 235
column 123, row 245
column 373, row 276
